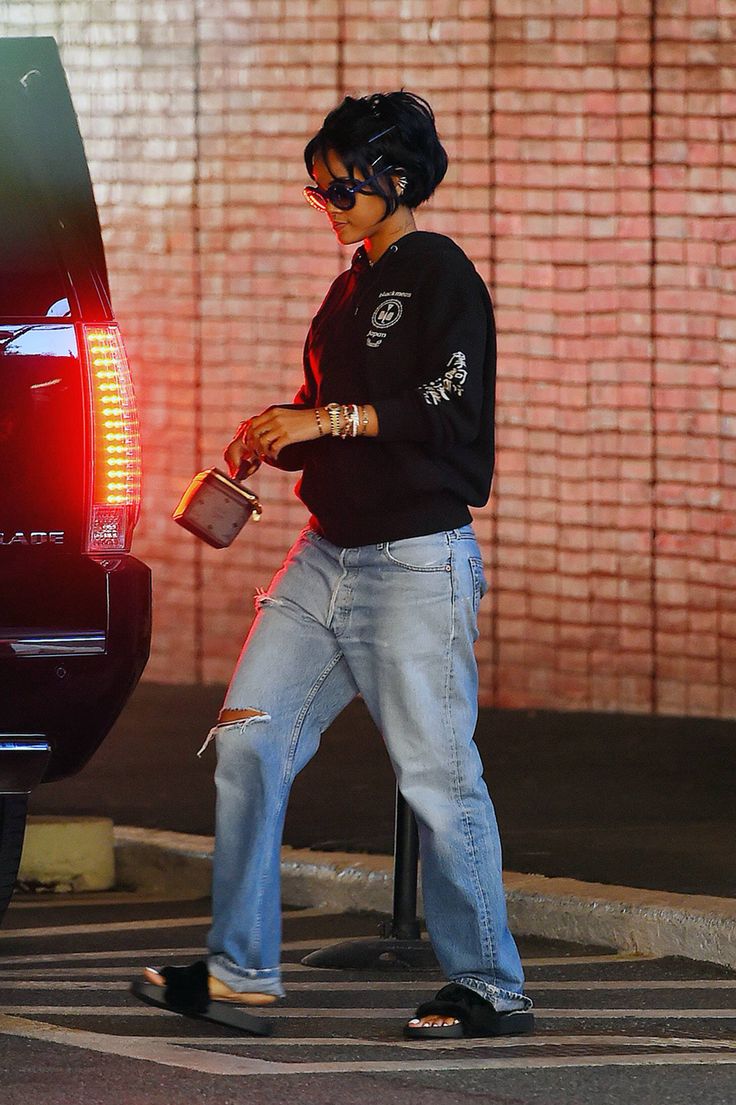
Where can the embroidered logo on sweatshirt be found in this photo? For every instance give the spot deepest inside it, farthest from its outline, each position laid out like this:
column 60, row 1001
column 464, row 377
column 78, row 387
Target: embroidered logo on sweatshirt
column 387, row 313
column 452, row 383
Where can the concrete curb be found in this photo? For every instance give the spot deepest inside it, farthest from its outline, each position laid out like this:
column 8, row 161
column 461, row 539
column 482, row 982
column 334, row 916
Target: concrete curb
column 647, row 922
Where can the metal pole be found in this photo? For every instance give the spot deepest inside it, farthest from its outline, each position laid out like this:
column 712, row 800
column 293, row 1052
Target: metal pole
column 399, row 947
column 406, row 866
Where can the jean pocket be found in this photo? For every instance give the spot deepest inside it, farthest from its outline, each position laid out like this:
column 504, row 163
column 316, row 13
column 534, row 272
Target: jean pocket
column 430, row 553
column 480, row 586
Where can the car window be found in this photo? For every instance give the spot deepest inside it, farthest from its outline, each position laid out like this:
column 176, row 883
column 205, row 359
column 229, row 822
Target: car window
column 32, row 278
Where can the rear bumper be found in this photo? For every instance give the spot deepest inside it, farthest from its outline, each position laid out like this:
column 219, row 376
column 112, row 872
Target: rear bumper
column 24, row 759
column 26, row 643
column 71, row 687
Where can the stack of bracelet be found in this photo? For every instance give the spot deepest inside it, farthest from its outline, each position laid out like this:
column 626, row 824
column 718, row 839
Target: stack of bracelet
column 346, row 419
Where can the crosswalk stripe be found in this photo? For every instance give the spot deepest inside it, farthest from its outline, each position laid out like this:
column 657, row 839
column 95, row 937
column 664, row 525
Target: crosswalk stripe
column 173, row 1055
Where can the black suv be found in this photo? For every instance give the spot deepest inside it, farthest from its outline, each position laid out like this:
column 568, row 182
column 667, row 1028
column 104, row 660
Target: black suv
column 75, row 607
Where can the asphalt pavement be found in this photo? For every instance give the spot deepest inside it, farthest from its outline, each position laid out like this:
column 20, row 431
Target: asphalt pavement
column 611, row 1028
column 623, row 799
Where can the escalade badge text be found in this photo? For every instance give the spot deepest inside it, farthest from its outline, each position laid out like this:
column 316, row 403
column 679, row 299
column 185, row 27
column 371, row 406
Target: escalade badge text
column 36, row 537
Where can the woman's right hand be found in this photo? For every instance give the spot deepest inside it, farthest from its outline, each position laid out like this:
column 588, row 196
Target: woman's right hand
column 237, row 451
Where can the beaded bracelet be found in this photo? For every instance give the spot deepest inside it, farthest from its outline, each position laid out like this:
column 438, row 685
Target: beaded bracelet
column 352, row 421
column 333, row 411
column 320, row 427
column 345, row 416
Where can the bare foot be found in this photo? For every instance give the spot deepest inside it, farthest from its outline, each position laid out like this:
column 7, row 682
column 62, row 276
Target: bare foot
column 218, row 990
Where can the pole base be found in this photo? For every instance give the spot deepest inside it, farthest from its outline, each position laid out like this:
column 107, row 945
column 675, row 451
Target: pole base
column 383, row 954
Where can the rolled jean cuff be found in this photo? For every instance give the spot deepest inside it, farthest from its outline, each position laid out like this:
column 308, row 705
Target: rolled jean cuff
column 503, row 1001
column 246, row 980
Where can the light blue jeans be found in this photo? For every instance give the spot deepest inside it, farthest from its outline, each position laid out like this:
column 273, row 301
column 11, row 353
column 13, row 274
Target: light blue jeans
column 395, row 623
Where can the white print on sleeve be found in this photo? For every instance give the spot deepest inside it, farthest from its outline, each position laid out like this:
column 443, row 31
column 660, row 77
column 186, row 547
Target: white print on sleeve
column 452, row 383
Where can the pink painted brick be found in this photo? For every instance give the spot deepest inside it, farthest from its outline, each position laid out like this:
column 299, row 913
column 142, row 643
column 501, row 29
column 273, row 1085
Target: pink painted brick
column 616, row 453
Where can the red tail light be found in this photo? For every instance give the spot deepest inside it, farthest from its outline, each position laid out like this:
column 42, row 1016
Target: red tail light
column 116, row 453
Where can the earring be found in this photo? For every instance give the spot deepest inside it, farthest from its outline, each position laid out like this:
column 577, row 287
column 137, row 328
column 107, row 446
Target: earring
column 401, row 183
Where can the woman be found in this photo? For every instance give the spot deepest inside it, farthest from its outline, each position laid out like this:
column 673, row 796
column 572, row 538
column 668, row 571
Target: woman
column 393, row 428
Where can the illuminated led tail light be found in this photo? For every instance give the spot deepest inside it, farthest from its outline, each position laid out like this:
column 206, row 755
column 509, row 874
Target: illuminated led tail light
column 116, row 452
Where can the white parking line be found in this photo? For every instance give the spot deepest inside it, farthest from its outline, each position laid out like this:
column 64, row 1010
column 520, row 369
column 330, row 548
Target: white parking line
column 91, row 898
column 173, row 1055
column 27, row 966
column 132, row 926
column 107, row 926
column 90, row 975
column 42, row 980
column 132, row 969
column 289, row 945
column 464, row 1045
column 65, row 957
column 151, row 1049
column 324, row 1012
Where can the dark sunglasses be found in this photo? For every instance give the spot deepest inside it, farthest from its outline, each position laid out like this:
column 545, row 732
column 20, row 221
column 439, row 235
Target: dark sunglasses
column 341, row 193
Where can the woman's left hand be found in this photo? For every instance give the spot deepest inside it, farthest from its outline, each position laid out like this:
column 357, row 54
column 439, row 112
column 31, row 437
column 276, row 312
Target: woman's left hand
column 268, row 433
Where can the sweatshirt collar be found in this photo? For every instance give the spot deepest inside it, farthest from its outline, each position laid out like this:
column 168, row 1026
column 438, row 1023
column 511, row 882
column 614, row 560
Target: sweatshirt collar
column 360, row 262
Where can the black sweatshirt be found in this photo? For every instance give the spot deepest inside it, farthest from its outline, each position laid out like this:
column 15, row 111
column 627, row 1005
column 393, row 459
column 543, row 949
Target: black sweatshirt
column 414, row 335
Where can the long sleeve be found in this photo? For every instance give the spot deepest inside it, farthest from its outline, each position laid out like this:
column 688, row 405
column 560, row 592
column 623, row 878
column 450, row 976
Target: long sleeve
column 456, row 360
column 293, row 457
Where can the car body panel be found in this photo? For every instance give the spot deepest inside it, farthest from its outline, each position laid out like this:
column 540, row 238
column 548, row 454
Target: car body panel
column 74, row 628
column 44, row 162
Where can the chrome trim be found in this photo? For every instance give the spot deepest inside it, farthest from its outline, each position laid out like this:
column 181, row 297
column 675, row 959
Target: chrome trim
column 21, row 744
column 61, row 644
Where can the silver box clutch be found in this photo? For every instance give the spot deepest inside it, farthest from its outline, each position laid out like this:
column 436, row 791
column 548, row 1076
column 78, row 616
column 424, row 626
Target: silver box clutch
column 215, row 508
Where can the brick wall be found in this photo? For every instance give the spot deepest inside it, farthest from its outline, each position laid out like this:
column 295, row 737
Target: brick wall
column 592, row 180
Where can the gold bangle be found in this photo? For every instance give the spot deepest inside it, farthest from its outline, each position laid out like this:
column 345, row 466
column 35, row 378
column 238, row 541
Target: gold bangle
column 320, row 427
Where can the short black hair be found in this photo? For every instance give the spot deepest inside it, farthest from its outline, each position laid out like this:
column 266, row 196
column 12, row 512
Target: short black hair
column 354, row 130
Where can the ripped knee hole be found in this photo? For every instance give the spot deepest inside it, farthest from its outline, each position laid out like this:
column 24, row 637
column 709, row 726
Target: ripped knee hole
column 228, row 716
column 237, row 715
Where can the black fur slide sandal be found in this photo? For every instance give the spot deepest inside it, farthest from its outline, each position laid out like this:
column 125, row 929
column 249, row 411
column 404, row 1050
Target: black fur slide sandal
column 187, row 992
column 475, row 1015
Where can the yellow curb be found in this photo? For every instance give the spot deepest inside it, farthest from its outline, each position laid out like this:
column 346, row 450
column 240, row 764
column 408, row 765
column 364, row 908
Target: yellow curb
column 68, row 853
